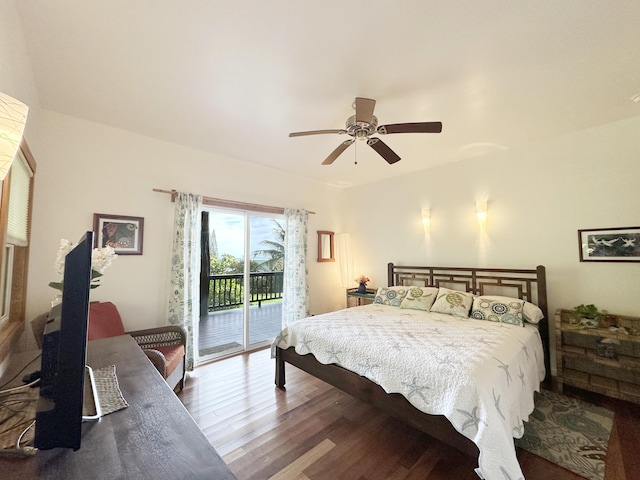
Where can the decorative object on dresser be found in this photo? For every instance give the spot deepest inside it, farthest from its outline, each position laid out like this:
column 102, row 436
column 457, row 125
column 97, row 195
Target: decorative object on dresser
column 362, row 281
column 603, row 359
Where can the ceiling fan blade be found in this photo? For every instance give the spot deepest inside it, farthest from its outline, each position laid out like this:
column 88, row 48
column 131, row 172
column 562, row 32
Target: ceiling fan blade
column 316, row 132
column 336, row 153
column 364, row 109
column 418, row 127
column 383, row 149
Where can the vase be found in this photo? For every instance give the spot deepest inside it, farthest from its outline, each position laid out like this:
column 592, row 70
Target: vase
column 362, row 288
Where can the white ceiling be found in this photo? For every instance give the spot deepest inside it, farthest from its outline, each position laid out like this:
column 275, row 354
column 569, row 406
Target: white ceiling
column 236, row 77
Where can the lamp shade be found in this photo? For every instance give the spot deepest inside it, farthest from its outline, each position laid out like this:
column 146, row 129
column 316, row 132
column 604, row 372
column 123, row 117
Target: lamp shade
column 13, row 116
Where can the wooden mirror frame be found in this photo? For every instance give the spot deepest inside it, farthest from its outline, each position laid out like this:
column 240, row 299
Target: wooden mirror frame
column 322, row 255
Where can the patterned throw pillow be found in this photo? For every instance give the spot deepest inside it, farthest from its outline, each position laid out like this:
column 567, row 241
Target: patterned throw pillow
column 453, row 302
column 420, row 298
column 391, row 295
column 498, row 309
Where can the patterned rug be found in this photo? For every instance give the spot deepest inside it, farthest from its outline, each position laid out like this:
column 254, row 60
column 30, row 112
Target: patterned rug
column 568, row 432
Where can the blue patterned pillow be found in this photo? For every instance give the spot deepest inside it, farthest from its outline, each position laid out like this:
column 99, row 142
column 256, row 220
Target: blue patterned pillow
column 498, row 309
column 391, row 295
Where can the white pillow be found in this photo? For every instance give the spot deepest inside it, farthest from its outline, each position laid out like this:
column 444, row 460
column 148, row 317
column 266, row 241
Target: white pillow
column 498, row 309
column 420, row 298
column 391, row 295
column 532, row 313
column 453, row 302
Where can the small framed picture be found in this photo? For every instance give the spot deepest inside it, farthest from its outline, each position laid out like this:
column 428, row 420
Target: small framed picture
column 122, row 233
column 610, row 244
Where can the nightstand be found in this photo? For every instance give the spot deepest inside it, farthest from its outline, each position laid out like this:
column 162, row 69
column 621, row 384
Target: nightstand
column 355, row 299
column 598, row 359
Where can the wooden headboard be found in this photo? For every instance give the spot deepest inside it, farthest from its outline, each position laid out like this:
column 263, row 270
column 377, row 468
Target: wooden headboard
column 529, row 285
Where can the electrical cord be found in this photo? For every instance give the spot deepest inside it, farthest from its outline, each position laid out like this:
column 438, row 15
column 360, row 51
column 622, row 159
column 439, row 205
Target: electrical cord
column 23, row 434
column 21, row 387
column 19, row 372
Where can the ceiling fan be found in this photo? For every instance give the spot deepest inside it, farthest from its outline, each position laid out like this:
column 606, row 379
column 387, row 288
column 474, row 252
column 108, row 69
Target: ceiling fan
column 364, row 124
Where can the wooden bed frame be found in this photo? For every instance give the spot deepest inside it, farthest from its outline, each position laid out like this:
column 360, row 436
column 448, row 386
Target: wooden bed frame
column 529, row 285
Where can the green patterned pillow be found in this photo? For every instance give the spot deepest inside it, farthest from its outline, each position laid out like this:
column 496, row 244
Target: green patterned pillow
column 498, row 309
column 391, row 295
column 453, row 302
column 420, row 298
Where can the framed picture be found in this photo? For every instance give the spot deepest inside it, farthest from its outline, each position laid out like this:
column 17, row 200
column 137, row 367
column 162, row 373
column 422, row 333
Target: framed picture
column 610, row 244
column 122, row 233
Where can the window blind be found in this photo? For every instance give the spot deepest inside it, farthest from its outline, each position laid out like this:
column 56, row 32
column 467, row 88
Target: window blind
column 19, row 193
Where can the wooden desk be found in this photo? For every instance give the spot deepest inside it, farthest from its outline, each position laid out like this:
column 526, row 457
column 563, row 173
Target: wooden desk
column 154, row 438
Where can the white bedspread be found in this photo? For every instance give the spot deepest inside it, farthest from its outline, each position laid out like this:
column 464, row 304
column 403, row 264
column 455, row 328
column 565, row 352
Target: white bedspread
column 480, row 375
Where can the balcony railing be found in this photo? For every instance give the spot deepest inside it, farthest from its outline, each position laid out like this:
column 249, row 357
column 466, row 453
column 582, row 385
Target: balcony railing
column 227, row 291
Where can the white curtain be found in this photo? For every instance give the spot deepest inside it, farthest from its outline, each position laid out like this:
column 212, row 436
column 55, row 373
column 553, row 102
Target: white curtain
column 184, row 293
column 295, row 294
column 344, row 257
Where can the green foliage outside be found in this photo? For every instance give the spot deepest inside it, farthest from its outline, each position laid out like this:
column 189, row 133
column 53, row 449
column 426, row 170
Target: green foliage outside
column 274, row 251
column 232, row 291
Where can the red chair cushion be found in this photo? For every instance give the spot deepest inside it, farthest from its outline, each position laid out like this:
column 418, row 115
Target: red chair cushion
column 173, row 355
column 104, row 321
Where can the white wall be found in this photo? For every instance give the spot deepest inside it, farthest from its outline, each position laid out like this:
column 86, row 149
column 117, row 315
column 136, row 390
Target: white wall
column 538, row 197
column 84, row 168
column 16, row 75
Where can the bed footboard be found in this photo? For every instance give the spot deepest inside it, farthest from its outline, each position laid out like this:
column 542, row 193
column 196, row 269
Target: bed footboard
column 436, row 426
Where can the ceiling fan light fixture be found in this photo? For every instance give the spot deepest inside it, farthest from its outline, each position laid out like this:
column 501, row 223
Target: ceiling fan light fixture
column 364, row 124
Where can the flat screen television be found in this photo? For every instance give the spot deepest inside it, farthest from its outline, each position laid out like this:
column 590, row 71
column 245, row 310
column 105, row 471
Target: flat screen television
column 64, row 355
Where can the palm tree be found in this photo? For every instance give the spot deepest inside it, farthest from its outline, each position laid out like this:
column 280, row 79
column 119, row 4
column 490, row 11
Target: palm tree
column 274, row 251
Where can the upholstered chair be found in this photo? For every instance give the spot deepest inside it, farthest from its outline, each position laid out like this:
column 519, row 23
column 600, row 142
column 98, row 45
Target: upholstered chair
column 164, row 346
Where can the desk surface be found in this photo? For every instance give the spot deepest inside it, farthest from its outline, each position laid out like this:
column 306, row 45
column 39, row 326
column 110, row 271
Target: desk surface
column 155, row 437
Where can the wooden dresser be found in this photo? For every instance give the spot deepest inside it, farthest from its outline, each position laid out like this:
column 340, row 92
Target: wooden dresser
column 598, row 359
column 153, row 438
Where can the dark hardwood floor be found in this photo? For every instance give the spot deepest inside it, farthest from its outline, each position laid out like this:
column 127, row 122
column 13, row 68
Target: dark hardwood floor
column 314, row 431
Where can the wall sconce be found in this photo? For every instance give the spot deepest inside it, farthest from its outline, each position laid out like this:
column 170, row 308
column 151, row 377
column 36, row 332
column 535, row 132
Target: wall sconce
column 426, row 220
column 481, row 213
column 13, row 116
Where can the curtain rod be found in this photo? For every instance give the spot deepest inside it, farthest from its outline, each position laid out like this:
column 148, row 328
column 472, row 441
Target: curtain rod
column 218, row 202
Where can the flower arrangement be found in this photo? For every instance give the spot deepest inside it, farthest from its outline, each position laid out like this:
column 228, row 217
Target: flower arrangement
column 101, row 258
column 363, row 279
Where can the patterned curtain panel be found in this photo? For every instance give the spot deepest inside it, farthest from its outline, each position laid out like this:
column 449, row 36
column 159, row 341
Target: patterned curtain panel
column 295, row 293
column 185, row 270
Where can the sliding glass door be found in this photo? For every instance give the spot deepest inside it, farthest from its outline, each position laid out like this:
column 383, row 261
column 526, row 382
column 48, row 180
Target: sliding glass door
column 243, row 288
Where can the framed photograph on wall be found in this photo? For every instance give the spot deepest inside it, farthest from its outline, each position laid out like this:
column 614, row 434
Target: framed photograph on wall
column 122, row 233
column 610, row 244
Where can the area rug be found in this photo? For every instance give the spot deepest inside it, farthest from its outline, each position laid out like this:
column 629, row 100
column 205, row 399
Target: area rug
column 568, row 432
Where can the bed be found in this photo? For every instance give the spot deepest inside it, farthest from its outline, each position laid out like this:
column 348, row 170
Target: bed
column 409, row 361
